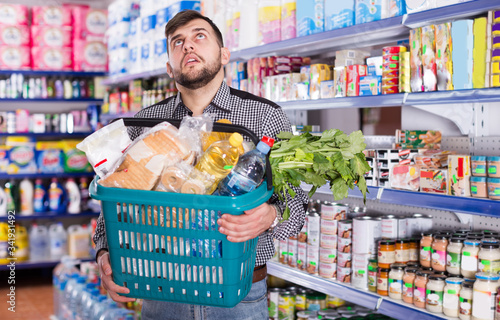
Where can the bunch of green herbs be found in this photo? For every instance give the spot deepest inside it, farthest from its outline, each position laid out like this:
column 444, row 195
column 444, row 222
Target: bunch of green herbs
column 333, row 157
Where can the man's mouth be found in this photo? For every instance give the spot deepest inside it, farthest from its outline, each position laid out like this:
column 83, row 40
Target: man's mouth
column 191, row 60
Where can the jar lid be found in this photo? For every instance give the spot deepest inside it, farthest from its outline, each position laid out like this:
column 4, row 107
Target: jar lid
column 327, row 312
column 478, row 179
column 398, row 266
column 475, row 233
column 489, row 245
column 493, row 158
column 441, row 236
column 457, row 240
column 285, row 293
column 459, row 235
column 478, row 158
column 474, row 238
column 411, row 270
column 438, row 277
column 471, row 242
column 387, row 242
column 374, row 260
column 422, row 273
column 468, row 283
column 454, row 280
column 402, row 241
column 275, row 289
column 306, row 313
column 384, row 270
column 345, row 221
column 426, row 234
column 413, row 264
column 487, row 276
column 462, row 231
column 426, row 269
column 389, row 216
column 315, row 295
column 491, row 233
column 493, row 180
column 440, row 273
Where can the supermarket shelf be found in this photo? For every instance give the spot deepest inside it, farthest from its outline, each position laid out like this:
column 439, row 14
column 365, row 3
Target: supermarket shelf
column 4, row 176
column 475, row 206
column 42, row 73
column 347, row 292
column 107, row 117
column 124, row 79
column 5, row 100
column 451, row 97
column 39, row 264
column 369, row 34
column 47, row 134
column 53, row 215
column 449, row 13
column 389, row 100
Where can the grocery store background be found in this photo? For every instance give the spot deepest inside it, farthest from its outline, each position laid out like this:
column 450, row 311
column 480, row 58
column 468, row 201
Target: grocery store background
column 378, row 66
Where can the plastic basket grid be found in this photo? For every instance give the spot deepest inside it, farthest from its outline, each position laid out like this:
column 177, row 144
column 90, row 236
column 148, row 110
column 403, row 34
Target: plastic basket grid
column 166, row 246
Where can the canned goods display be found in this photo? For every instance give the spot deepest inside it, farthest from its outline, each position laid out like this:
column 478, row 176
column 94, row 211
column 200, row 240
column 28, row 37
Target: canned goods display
column 328, row 270
column 273, row 297
column 344, row 260
column 283, row 256
column 328, row 241
column 344, row 245
column 313, row 228
column 286, row 305
column 329, row 226
column 334, row 211
column 345, row 228
column 301, row 255
column 312, row 260
column 344, row 274
column 292, row 252
column 327, row 255
column 366, row 232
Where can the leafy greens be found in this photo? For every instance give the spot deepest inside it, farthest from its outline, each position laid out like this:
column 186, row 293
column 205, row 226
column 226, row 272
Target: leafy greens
column 333, row 157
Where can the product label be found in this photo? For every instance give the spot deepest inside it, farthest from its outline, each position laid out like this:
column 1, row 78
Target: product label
column 492, row 169
column 382, row 284
column 480, row 168
column 12, row 36
column 300, row 302
column 301, row 255
column 465, row 306
column 96, row 22
column 483, row 304
column 413, row 254
column 372, row 279
column 386, row 257
column 419, row 294
column 408, row 290
column 396, row 286
column 402, row 255
column 439, row 258
column 453, row 260
column 425, row 254
column 329, row 227
column 313, row 230
column 55, row 198
column 469, row 261
column 284, row 306
column 488, row 265
column 434, row 298
column 451, row 300
column 238, row 181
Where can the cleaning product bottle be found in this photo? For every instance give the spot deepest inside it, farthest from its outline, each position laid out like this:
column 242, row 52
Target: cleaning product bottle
column 58, row 241
column 3, row 203
column 219, row 159
column 57, row 201
column 4, row 243
column 22, row 244
column 248, row 172
column 39, row 243
column 40, row 203
column 26, row 195
column 74, row 196
column 10, row 203
column 84, row 194
column 78, row 242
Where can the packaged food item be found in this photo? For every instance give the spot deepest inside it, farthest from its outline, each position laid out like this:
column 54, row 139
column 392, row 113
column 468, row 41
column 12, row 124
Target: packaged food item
column 312, row 263
column 416, row 60
column 370, row 86
column 404, row 72
column 480, row 51
column 327, row 89
column 465, row 306
column 366, row 231
column 368, row 11
column 489, row 257
column 396, row 281
column 478, row 164
column 478, row 187
column 454, row 256
column 310, row 17
column 434, row 293
column 444, row 61
column 402, row 251
column 328, row 270
column 283, row 251
column 386, row 253
column 419, row 291
column 390, row 89
column 408, row 284
column 462, row 55
column 319, row 73
column 426, row 249
column 468, row 267
column 493, row 167
column 288, row 20
column 339, row 15
column 484, row 295
column 406, row 177
column 493, row 188
column 439, row 245
column 459, row 175
column 383, row 281
column 372, row 275
column 451, row 297
column 429, row 58
column 15, row 58
column 433, row 180
column 360, row 271
column 340, row 82
column 344, row 274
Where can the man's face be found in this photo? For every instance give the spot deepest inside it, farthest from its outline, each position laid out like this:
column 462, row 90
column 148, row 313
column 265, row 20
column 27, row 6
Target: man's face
column 195, row 56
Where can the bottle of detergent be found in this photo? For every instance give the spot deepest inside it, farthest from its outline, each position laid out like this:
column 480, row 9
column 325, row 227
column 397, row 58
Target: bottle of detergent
column 3, row 203
column 84, row 194
column 4, row 243
column 10, row 203
column 74, row 196
column 22, row 244
column 40, row 203
column 57, row 197
column 26, row 194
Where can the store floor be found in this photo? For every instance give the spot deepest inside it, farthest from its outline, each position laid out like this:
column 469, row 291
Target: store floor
column 33, row 292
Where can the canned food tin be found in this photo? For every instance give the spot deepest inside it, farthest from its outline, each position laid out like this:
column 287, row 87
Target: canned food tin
column 328, row 241
column 391, row 50
column 390, row 82
column 366, row 232
column 285, row 305
column 344, row 274
column 327, row 255
column 303, row 232
column 424, row 221
column 345, row 228
column 276, row 256
column 389, row 227
column 344, row 260
column 390, row 58
column 283, row 256
column 313, row 228
column 390, row 74
column 328, row 270
column 360, row 271
column 334, row 302
column 273, row 296
column 390, row 89
column 390, row 66
column 344, row 245
column 312, row 259
column 292, row 252
column 329, row 226
column 334, row 211
column 402, row 228
column 412, row 227
column 300, row 299
column 301, row 255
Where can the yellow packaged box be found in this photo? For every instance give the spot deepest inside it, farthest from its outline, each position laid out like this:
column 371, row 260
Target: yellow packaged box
column 459, row 173
column 319, row 72
column 416, row 60
column 479, row 53
column 444, row 62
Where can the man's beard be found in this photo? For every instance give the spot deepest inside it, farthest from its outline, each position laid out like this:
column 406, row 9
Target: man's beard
column 200, row 78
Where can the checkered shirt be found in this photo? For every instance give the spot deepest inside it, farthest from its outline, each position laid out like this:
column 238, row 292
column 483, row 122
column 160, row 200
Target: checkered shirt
column 261, row 116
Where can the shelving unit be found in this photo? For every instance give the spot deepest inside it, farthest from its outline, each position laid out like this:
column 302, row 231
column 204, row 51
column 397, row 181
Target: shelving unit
column 38, row 264
column 5, row 100
column 344, row 291
column 47, row 134
column 52, row 215
column 4, row 176
column 49, row 73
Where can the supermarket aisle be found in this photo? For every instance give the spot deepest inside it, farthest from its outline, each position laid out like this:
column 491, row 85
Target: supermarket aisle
column 33, row 295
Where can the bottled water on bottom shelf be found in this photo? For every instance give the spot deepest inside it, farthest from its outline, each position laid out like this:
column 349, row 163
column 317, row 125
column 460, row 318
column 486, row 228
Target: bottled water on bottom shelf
column 72, row 294
column 62, row 273
column 103, row 304
column 118, row 314
column 86, row 301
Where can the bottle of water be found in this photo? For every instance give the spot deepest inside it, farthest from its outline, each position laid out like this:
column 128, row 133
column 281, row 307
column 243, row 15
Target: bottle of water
column 119, row 313
column 39, row 243
column 103, row 304
column 65, row 295
column 74, row 296
column 58, row 241
column 62, row 273
column 87, row 298
column 248, row 172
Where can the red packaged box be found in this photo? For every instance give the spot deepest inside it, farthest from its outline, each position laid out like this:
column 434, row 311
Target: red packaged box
column 14, row 35
column 389, row 82
column 391, row 50
column 50, row 36
column 51, row 16
column 15, row 58
column 90, row 56
column 46, row 58
column 390, row 66
column 89, row 23
column 390, row 89
column 390, row 74
column 354, row 72
column 13, row 14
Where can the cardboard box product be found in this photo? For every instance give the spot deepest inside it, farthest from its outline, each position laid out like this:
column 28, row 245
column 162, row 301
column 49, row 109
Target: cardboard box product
column 444, row 61
column 327, row 89
column 434, row 180
column 90, row 56
column 479, row 53
column 405, row 177
column 51, row 16
column 459, row 175
column 340, row 82
column 21, row 155
column 290, row 79
column 288, row 20
column 319, row 72
column 353, row 74
column 269, row 19
column 14, row 14
column 339, row 14
column 416, row 83
column 15, row 58
column 418, row 136
column 370, row 86
column 51, row 36
column 368, row 11
column 429, row 58
column 14, row 35
column 300, row 91
column 310, row 17
column 374, row 66
column 462, row 55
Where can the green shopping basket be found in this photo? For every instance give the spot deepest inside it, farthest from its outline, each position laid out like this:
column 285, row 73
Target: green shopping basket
column 166, row 246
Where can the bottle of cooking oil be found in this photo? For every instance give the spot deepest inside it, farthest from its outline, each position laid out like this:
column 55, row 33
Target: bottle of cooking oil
column 219, row 159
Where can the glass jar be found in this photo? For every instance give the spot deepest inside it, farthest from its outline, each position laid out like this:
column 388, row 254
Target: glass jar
column 396, row 281
column 438, row 258
column 386, row 253
column 414, row 249
column 372, row 275
column 383, row 281
column 434, row 293
column 402, row 251
column 454, row 256
column 300, row 299
column 468, row 266
column 451, row 298
column 315, row 301
column 408, row 283
column 478, row 165
column 488, row 257
column 493, row 167
column 465, row 310
column 419, row 288
column 484, row 296
column 478, row 188
column 304, row 315
column 425, row 249
column 413, row 264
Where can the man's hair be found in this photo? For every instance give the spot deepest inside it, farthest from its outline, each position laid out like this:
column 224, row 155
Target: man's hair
column 186, row 16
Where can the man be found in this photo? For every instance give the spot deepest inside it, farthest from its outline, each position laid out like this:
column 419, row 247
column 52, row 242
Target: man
column 196, row 60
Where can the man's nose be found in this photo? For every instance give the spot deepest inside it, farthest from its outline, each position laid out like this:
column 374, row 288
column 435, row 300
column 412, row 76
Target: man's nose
column 188, row 45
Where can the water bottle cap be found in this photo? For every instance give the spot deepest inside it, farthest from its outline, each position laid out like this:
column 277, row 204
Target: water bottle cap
column 268, row 140
column 235, row 139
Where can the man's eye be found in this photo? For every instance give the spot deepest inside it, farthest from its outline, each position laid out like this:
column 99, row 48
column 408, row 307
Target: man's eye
column 200, row 36
column 177, row 42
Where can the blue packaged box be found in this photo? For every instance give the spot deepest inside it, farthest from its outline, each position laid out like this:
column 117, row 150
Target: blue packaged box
column 370, row 86
column 462, row 54
column 339, row 14
column 148, row 24
column 182, row 5
column 368, row 11
column 310, row 17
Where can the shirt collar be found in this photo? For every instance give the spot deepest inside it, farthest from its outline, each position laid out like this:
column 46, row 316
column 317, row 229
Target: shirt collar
column 220, row 101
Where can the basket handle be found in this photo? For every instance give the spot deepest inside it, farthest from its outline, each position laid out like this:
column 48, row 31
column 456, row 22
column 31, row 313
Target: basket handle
column 217, row 126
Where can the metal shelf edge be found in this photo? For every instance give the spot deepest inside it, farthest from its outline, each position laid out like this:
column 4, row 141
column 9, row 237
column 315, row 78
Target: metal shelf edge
column 4, row 176
column 396, row 309
column 38, row 264
column 114, row 80
column 52, row 215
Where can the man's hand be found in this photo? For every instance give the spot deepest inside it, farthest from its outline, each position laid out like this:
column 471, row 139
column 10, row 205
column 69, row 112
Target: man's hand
column 249, row 225
column 107, row 280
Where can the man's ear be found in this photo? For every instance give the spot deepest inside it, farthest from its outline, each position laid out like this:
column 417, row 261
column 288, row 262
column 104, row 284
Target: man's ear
column 169, row 70
column 225, row 55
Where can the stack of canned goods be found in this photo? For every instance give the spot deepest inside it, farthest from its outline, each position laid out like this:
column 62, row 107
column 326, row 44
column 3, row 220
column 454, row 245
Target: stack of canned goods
column 331, row 213
column 344, row 252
